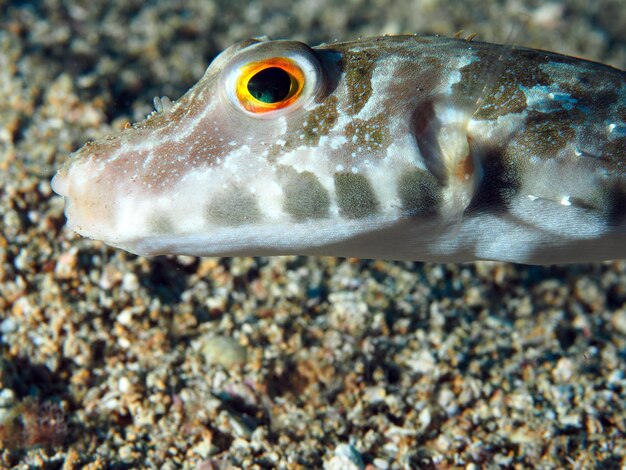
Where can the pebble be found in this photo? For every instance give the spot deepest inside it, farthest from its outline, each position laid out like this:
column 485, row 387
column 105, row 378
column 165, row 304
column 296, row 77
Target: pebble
column 126, row 454
column 125, row 317
column 8, row 325
column 130, row 282
column 223, row 351
column 66, row 264
column 425, row 418
column 123, row 385
column 564, row 370
column 7, row 398
column 381, row 464
column 375, row 395
column 422, row 362
column 204, row 449
column 618, row 320
column 346, row 458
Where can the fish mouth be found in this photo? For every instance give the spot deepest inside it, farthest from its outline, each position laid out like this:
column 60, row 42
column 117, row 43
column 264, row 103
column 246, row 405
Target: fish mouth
column 60, row 183
column 78, row 199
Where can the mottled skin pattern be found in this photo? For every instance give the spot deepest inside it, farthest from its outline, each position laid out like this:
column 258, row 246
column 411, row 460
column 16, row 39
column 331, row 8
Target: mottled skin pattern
column 401, row 147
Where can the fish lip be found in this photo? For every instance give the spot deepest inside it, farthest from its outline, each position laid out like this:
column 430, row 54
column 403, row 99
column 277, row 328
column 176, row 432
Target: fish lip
column 60, row 183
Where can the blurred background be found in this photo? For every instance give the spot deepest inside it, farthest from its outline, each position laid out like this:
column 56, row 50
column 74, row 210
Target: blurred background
column 116, row 361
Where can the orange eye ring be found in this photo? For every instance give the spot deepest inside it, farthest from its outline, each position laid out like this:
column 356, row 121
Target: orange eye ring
column 269, row 85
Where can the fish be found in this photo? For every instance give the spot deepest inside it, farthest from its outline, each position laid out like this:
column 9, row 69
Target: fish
column 409, row 147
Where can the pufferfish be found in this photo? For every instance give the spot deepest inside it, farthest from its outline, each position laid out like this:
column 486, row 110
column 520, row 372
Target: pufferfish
column 398, row 147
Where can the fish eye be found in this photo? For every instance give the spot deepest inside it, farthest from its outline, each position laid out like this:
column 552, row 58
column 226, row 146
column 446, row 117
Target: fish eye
column 269, row 85
column 268, row 80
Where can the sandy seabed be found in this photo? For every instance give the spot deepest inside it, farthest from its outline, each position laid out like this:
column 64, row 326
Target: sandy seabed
column 116, row 361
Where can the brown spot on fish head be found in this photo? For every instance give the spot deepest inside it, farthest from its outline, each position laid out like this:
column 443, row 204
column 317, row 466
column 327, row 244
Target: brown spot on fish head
column 404, row 69
column 358, row 66
column 304, row 197
column 308, row 128
column 319, row 121
column 602, row 99
column 367, row 138
column 410, row 84
column 370, row 136
column 355, row 196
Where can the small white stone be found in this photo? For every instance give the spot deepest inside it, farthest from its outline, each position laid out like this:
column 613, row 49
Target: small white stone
column 380, row 464
column 346, row 458
column 126, row 454
column 130, row 282
column 425, row 418
column 618, row 320
column 240, row 429
column 204, row 449
column 564, row 371
column 224, row 351
column 7, row 397
column 572, row 420
column 8, row 325
column 123, row 385
column 423, row 362
column 375, row 394
column 616, row 377
column 125, row 317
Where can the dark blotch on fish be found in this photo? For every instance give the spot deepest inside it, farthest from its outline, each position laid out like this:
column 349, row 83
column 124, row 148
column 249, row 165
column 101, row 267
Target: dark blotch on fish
column 617, row 202
column 161, row 224
column 305, row 197
column 419, row 192
column 500, row 180
column 355, row 195
column 233, row 207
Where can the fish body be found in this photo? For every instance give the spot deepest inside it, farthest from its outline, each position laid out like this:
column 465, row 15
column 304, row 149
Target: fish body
column 397, row 147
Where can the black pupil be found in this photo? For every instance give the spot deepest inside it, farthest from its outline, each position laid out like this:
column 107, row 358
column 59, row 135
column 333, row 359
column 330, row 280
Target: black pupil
column 270, row 85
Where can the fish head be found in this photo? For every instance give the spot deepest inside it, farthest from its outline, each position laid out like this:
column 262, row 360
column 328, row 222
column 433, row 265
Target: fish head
column 279, row 148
